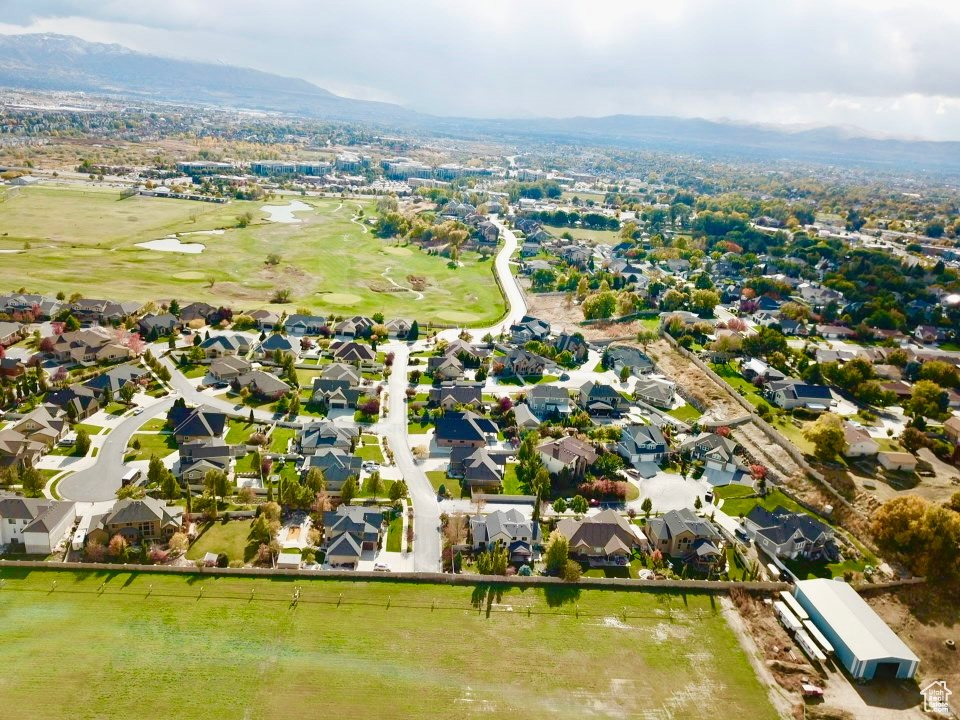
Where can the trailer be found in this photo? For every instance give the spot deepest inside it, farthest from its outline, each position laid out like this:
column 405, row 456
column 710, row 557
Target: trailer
column 808, row 646
column 787, row 618
column 818, row 637
column 795, row 607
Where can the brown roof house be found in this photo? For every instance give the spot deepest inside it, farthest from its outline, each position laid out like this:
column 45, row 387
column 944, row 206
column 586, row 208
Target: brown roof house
column 136, row 520
column 682, row 534
column 601, row 539
column 567, row 454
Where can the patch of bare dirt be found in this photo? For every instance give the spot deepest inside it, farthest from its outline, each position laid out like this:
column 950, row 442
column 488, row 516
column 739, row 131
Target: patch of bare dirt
column 925, row 617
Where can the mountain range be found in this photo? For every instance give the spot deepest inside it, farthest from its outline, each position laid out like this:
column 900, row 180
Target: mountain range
column 60, row 62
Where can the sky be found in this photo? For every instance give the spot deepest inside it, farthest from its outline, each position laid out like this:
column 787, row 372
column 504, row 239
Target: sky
column 886, row 66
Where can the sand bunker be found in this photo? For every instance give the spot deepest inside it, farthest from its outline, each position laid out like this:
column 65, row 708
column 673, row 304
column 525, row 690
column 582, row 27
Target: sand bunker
column 340, row 298
column 284, row 213
column 173, row 244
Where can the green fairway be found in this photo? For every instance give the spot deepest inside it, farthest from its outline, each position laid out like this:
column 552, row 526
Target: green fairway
column 206, row 647
column 328, row 262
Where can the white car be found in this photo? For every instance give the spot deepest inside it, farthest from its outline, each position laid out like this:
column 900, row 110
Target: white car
column 137, row 411
column 371, row 466
column 381, row 567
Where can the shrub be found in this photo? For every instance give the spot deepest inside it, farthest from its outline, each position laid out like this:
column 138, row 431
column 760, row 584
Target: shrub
column 571, row 571
column 222, row 560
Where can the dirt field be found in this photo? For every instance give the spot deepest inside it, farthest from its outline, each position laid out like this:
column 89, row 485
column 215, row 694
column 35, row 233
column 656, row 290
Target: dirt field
column 554, row 309
column 925, row 616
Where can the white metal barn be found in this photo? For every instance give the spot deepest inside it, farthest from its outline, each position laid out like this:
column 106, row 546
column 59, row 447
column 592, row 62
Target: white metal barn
column 864, row 644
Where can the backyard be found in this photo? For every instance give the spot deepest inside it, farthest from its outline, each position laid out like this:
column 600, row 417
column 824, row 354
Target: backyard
column 329, row 262
column 222, row 537
column 377, row 649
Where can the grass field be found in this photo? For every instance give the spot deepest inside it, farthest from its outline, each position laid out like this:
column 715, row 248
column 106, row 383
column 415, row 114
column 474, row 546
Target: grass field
column 157, row 444
column 219, row 537
column 348, row 649
column 328, row 262
column 606, row 237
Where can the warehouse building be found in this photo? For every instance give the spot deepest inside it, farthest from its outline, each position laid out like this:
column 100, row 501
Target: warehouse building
column 864, row 644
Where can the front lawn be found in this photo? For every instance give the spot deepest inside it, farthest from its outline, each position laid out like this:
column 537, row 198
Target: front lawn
column 685, row 413
column 527, row 379
column 415, row 427
column 439, row 477
column 193, row 371
column 394, row 534
column 370, row 452
column 229, row 538
column 736, row 506
column 154, row 424
column 159, row 444
column 91, row 430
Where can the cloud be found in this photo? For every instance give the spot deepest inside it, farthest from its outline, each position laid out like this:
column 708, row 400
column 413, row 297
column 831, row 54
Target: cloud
column 870, row 62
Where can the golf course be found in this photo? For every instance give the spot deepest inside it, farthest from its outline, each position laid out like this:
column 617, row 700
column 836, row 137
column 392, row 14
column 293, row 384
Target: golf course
column 321, row 250
column 88, row 644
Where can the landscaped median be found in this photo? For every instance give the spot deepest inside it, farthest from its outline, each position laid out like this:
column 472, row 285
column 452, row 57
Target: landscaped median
column 664, row 651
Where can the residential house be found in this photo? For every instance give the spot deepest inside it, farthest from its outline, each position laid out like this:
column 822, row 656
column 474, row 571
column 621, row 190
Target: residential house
column 468, row 354
column 522, row 362
column 754, row 368
column 546, row 401
column 529, row 328
column 601, row 539
column 325, row 434
column 12, row 367
column 352, row 352
column 268, row 348
column 399, row 328
column 355, row 327
column 266, row 320
column 929, row 334
column 349, row 532
column 137, row 521
column 84, row 401
column 305, row 325
column 836, row 332
column 335, row 394
column 341, row 371
column 790, row 535
column 219, row 346
column 573, row 344
column 451, row 395
column 859, row 442
column 897, row 460
column 567, row 454
column 262, row 384
column 444, row 367
column 26, row 439
column 477, row 468
column 338, row 466
column 196, row 423
column 111, row 381
column 682, row 534
column 524, row 417
column 153, row 326
column 655, row 391
column 197, row 311
column 791, row 393
column 618, row 357
column 721, row 466
column 599, row 399
column 37, row 525
column 104, row 312
column 464, row 429
column 228, row 368
column 642, row 446
column 507, row 528
column 86, row 346
column 198, row 457
column 11, row 333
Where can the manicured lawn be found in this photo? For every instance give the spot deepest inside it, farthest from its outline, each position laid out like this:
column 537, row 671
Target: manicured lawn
column 528, row 380
column 116, row 408
column 394, row 534
column 154, row 424
column 239, row 431
column 341, row 266
column 367, row 439
column 607, row 237
column 193, row 371
column 439, row 477
column 219, row 537
column 511, row 485
column 687, row 413
column 157, row 444
column 735, row 506
column 280, row 438
column 666, row 654
column 415, row 428
column 370, row 452
column 91, row 430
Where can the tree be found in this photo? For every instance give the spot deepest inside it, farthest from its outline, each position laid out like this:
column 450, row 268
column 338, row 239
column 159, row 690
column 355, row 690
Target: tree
column 924, row 535
column 571, row 571
column 579, row 505
column 765, row 342
column 373, row 484
column 494, row 561
column 179, row 543
column 316, row 480
column 647, row 506
column 942, row 373
column 32, row 482
column 217, row 483
column 703, row 302
column 599, row 306
column 698, row 503
column 174, row 307
column 82, row 445
column 927, row 400
column 131, row 491
column 169, row 487
column 348, row 491
column 397, row 490
column 414, row 332
column 827, row 436
column 117, row 549
column 155, row 471
column 127, row 392
column 557, row 553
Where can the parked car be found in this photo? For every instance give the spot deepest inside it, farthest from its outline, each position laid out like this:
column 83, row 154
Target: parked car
column 137, row 411
column 381, row 567
column 371, row 466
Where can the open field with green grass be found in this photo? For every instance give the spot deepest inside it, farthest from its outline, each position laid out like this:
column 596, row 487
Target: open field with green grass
column 374, row 649
column 328, row 262
column 607, row 237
